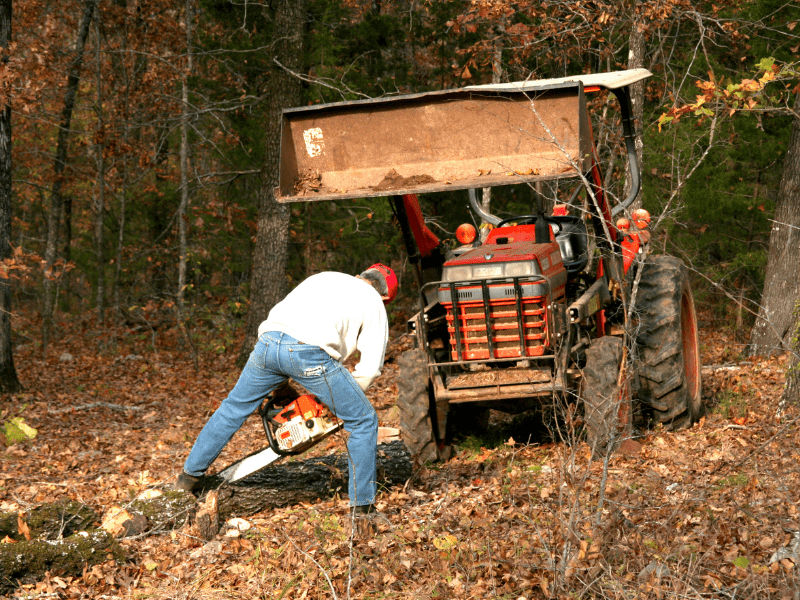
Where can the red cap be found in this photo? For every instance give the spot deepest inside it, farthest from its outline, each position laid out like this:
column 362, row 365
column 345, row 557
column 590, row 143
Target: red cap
column 391, row 280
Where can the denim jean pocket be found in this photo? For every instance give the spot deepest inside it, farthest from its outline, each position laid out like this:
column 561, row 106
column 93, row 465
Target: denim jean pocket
column 311, row 361
column 258, row 357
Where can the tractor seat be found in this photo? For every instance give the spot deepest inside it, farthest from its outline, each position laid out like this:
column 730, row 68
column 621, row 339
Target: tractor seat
column 573, row 241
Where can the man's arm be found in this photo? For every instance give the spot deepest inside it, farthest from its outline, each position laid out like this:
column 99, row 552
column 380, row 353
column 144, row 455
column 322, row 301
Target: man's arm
column 372, row 342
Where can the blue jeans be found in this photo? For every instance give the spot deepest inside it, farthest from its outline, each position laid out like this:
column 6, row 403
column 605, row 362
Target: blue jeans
column 276, row 357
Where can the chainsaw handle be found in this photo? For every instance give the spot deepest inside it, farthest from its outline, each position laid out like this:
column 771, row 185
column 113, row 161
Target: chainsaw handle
column 264, row 411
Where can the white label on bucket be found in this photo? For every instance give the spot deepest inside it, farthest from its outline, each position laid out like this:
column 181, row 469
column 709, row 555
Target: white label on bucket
column 314, row 141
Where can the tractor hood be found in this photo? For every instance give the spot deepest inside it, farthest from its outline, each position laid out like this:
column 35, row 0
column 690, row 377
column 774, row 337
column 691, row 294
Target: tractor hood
column 507, row 252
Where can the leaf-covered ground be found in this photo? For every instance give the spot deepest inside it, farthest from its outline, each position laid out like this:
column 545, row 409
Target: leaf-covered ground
column 698, row 513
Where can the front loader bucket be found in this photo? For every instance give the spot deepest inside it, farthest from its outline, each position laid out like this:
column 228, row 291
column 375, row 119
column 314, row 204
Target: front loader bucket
column 473, row 137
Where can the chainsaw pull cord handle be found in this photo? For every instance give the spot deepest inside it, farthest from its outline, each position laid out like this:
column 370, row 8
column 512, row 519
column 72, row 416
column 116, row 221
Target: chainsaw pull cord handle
column 265, row 411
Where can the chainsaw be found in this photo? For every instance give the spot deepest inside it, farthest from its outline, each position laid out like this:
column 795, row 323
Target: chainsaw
column 290, row 430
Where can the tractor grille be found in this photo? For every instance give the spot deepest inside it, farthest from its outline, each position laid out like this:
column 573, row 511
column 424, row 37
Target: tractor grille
column 509, row 321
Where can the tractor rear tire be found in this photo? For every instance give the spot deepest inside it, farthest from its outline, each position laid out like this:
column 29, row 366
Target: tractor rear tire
column 414, row 403
column 667, row 344
column 606, row 408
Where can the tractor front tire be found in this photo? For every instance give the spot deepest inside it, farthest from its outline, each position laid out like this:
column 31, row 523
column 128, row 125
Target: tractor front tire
column 667, row 344
column 414, row 403
column 606, row 406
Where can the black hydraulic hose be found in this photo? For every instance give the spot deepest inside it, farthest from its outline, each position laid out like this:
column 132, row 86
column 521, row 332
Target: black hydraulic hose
column 476, row 206
column 623, row 97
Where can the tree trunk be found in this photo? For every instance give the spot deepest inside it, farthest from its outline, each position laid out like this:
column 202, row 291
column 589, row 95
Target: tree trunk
column 184, row 205
column 100, row 186
column 268, row 275
column 773, row 329
column 497, row 72
column 56, row 208
column 8, row 374
column 791, row 390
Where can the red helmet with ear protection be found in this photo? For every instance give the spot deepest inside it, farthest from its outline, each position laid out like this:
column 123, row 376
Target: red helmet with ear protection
column 391, row 280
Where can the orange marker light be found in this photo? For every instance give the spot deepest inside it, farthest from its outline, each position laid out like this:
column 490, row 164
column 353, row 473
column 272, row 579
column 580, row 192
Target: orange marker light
column 642, row 218
column 466, row 233
column 560, row 210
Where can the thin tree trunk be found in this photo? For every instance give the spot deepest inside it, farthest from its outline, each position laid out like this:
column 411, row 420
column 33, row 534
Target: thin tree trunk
column 268, row 277
column 497, row 72
column 125, row 171
column 773, row 329
column 66, row 253
column 636, row 52
column 56, row 204
column 184, row 205
column 9, row 382
column 121, row 225
column 100, row 187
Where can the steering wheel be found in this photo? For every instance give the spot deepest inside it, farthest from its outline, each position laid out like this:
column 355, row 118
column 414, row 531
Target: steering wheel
column 531, row 220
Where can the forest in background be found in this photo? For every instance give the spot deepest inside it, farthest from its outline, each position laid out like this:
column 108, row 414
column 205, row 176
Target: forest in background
column 142, row 241
column 143, row 159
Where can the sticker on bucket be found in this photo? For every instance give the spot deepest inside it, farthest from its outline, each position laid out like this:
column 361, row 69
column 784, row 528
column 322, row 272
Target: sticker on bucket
column 314, row 141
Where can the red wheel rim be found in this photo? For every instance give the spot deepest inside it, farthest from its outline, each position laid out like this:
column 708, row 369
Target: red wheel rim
column 691, row 352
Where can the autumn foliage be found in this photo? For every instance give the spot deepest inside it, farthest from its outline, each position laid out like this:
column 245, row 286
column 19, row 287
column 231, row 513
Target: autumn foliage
column 116, row 392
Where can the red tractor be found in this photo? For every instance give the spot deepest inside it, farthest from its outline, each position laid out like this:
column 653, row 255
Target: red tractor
column 561, row 304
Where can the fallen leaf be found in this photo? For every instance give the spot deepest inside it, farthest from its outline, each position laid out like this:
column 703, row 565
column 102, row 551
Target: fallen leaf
column 22, row 526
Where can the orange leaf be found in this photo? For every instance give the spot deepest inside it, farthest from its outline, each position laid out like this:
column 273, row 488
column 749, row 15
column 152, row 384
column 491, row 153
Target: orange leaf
column 22, row 526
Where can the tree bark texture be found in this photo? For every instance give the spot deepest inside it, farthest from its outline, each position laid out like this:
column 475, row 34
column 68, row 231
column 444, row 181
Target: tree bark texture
column 28, row 561
column 8, row 374
column 100, row 185
column 184, row 205
column 268, row 274
column 773, row 331
column 56, row 201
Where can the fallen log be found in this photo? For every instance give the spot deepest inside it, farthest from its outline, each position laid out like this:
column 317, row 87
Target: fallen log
column 49, row 521
column 22, row 562
column 288, row 483
column 63, row 537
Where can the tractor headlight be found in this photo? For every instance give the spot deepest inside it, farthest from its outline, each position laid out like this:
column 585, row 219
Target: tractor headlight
column 462, row 273
column 518, row 269
column 490, row 271
column 486, row 271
